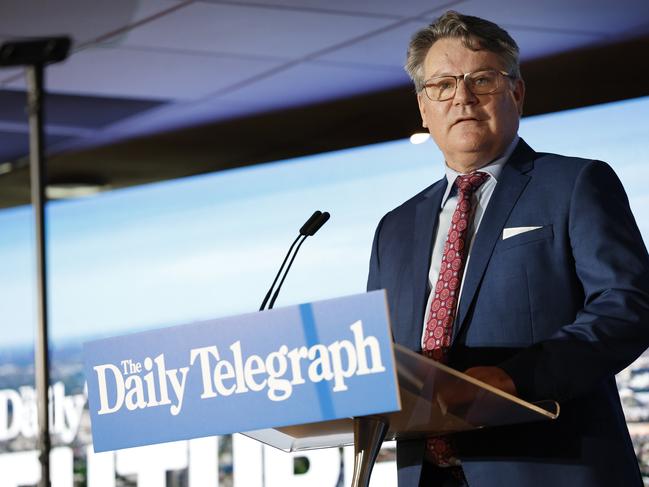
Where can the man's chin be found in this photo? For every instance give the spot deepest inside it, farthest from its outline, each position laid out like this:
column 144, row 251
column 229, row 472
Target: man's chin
column 472, row 144
column 469, row 154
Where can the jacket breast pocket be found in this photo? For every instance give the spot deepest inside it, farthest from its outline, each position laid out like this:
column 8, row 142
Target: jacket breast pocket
column 543, row 233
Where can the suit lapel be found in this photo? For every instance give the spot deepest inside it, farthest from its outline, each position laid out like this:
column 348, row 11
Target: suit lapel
column 511, row 182
column 426, row 217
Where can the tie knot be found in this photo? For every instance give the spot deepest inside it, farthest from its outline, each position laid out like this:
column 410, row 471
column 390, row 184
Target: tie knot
column 468, row 183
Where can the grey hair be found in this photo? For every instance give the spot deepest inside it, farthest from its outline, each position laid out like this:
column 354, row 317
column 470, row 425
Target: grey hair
column 475, row 33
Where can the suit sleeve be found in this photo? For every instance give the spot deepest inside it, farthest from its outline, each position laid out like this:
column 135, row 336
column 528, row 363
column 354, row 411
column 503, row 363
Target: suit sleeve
column 612, row 328
column 374, row 276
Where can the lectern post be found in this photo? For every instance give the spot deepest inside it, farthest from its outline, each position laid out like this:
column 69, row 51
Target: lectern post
column 369, row 432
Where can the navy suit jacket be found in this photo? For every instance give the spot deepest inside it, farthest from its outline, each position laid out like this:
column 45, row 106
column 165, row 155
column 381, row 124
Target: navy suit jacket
column 561, row 309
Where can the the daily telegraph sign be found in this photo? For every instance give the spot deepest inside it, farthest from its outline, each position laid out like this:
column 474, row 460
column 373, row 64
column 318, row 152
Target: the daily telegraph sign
column 301, row 364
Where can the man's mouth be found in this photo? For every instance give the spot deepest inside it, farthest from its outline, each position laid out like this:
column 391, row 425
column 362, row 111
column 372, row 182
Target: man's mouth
column 465, row 119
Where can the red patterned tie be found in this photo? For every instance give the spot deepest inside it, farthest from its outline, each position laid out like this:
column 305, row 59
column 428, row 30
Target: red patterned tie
column 439, row 326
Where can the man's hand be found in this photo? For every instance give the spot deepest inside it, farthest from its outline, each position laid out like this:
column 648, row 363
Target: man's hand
column 494, row 376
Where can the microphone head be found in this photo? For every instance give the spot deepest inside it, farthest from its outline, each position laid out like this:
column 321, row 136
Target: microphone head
column 309, row 223
column 323, row 217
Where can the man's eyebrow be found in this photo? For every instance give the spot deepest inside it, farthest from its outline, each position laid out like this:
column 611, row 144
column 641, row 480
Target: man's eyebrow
column 437, row 74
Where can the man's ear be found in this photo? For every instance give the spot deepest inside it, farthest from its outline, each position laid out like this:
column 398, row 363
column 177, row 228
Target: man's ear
column 422, row 108
column 518, row 91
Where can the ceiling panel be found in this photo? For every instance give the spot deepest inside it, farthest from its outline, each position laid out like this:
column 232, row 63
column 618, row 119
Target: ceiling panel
column 273, row 93
column 311, row 83
column 165, row 118
column 534, row 44
column 317, row 82
column 389, row 48
column 603, row 17
column 386, row 8
column 87, row 20
column 250, row 31
column 147, row 74
column 73, row 110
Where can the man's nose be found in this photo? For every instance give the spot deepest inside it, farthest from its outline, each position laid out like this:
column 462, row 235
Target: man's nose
column 463, row 95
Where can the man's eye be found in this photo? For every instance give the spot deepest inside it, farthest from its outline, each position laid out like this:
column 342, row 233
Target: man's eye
column 481, row 81
column 444, row 85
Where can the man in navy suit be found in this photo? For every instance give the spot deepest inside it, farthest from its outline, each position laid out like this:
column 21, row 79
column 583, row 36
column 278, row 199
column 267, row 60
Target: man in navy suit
column 524, row 269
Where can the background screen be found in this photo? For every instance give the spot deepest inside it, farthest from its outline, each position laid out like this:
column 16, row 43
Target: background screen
column 208, row 246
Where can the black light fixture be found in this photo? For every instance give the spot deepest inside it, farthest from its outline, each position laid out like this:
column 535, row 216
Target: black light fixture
column 32, row 52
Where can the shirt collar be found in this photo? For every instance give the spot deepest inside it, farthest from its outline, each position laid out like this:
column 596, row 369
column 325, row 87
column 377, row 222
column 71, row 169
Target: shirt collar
column 493, row 169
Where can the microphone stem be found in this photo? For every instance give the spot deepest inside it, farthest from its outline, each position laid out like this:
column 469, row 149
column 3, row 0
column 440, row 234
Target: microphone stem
column 272, row 301
column 263, row 304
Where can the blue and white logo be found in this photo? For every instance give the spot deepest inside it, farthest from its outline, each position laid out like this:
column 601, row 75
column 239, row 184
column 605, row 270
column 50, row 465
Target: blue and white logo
column 294, row 365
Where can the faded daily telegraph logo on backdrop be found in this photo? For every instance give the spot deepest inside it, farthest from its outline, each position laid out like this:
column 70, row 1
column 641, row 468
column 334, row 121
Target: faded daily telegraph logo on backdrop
column 294, row 365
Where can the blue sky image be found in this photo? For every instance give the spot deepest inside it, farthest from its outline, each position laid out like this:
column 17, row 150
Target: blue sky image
column 209, row 246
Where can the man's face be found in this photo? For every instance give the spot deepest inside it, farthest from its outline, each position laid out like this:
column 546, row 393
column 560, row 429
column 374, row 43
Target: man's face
column 470, row 130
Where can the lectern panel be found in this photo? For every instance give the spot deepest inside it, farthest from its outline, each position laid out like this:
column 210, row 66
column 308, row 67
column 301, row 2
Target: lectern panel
column 435, row 399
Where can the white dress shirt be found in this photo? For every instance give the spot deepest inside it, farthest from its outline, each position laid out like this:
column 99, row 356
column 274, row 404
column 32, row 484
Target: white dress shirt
column 480, row 200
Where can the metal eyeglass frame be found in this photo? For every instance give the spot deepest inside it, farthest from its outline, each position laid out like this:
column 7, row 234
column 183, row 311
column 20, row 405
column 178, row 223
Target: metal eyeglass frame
column 463, row 77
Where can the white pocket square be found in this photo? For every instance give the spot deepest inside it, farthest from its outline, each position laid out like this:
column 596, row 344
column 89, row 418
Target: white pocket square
column 513, row 231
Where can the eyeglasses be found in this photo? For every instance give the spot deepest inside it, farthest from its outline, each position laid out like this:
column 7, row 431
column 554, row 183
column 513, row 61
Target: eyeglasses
column 485, row 82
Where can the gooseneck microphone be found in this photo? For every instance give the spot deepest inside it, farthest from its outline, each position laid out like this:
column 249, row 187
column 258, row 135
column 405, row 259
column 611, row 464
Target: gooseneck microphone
column 317, row 223
column 303, row 232
column 306, row 228
column 310, row 227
